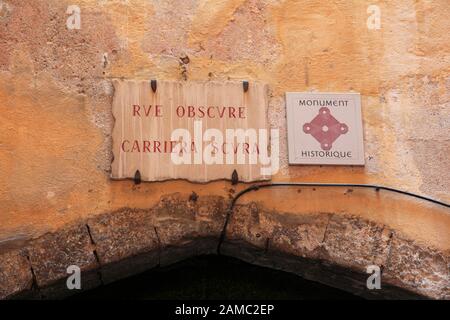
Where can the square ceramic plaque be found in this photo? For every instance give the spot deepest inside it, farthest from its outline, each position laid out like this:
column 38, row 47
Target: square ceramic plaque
column 325, row 128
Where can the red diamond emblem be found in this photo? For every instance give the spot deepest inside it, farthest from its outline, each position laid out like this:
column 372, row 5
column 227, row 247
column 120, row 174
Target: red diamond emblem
column 325, row 128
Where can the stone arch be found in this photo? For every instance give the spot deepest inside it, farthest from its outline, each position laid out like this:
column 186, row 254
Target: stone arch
column 299, row 234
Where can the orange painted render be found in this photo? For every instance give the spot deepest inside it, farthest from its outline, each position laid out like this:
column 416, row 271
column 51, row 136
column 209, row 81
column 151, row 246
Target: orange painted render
column 56, row 95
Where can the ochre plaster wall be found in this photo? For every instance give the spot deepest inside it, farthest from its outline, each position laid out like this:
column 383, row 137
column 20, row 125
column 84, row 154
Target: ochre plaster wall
column 56, row 95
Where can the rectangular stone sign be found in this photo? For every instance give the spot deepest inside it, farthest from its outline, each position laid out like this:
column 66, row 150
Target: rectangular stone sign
column 199, row 131
column 325, row 128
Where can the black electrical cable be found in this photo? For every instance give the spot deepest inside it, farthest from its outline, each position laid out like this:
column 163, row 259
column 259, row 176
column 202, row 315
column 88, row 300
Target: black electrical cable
column 256, row 187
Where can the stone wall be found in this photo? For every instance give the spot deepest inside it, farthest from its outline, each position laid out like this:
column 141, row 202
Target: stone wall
column 56, row 94
column 330, row 248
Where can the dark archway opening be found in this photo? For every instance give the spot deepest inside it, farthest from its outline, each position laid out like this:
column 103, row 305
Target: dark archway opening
column 214, row 277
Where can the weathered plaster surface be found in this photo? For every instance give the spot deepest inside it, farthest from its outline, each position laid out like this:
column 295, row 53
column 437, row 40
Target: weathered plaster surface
column 56, row 93
column 328, row 247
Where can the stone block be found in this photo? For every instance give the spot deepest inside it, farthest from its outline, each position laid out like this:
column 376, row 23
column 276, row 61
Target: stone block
column 417, row 268
column 51, row 255
column 126, row 242
column 15, row 273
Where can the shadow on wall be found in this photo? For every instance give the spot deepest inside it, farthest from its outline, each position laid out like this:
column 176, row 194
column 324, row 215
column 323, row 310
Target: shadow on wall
column 215, row 277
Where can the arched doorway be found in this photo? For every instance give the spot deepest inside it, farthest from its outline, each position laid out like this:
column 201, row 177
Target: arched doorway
column 215, row 277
